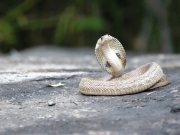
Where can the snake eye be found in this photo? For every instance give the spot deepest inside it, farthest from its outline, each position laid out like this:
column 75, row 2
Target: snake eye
column 118, row 55
column 108, row 65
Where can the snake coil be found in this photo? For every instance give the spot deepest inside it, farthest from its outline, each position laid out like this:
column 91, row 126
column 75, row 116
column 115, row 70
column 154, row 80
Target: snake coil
column 111, row 56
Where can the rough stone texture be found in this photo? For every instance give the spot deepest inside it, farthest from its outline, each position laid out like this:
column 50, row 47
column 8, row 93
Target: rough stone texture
column 24, row 96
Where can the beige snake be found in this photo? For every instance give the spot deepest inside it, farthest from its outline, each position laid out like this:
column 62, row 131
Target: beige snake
column 112, row 57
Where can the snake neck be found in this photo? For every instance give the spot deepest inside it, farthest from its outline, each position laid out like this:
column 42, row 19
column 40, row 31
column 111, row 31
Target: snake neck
column 110, row 55
column 114, row 63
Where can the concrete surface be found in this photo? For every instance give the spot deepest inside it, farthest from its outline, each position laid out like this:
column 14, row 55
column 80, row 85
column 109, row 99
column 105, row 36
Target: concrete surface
column 28, row 107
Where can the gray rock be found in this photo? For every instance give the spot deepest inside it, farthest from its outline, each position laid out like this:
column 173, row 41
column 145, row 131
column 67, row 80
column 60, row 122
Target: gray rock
column 175, row 109
column 51, row 103
column 24, row 96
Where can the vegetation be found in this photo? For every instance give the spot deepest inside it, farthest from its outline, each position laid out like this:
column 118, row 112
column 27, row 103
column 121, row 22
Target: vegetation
column 143, row 25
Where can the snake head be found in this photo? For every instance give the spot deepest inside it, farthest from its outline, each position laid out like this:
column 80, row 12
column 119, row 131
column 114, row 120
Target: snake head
column 103, row 39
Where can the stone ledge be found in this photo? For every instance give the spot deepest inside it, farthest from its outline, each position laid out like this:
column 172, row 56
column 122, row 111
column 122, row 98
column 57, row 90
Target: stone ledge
column 25, row 97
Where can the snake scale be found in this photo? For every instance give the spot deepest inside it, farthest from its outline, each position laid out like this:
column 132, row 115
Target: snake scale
column 111, row 56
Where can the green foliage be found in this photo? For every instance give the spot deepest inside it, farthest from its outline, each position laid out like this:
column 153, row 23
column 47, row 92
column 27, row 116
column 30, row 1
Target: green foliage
column 22, row 21
column 7, row 32
column 174, row 21
column 72, row 23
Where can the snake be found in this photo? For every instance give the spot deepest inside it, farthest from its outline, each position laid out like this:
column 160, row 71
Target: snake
column 111, row 56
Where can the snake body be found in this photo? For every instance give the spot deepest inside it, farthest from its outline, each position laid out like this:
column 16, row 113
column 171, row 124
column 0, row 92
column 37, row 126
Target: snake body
column 111, row 56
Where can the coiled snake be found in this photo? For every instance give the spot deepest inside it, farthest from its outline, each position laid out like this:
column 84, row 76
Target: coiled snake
column 111, row 56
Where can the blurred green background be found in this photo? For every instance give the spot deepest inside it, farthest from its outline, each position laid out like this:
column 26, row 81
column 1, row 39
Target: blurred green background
column 140, row 25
